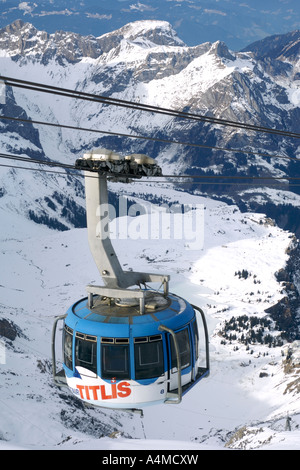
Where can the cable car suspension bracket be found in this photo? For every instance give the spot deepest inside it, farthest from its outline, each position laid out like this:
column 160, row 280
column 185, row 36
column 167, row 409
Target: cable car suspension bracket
column 105, row 164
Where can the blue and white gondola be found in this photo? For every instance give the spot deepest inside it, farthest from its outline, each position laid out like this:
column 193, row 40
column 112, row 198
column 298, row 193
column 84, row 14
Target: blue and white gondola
column 128, row 348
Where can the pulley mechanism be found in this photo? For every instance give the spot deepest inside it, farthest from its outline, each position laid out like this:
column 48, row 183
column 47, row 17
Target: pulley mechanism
column 109, row 163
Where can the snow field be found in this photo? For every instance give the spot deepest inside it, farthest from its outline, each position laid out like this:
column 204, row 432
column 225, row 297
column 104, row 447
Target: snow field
column 45, row 271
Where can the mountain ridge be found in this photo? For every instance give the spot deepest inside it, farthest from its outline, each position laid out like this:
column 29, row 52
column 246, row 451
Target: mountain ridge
column 237, row 24
column 20, row 38
column 277, row 46
column 128, row 64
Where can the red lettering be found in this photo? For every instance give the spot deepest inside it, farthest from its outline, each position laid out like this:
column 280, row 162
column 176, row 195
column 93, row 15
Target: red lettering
column 114, row 390
column 121, row 390
column 87, row 392
column 80, row 388
column 94, row 389
column 103, row 393
column 124, row 389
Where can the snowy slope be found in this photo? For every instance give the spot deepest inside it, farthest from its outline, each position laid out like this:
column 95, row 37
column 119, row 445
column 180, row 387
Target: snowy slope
column 242, row 404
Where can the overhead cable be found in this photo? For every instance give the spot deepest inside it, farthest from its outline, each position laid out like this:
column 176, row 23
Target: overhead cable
column 181, row 183
column 34, row 86
column 204, row 177
column 153, row 139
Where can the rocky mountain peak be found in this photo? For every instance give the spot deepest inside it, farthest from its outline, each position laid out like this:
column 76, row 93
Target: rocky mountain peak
column 221, row 50
column 280, row 46
column 18, row 28
column 157, row 32
column 21, row 39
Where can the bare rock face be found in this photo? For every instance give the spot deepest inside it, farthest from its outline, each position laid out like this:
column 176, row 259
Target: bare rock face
column 280, row 46
column 285, row 312
column 22, row 39
column 8, row 329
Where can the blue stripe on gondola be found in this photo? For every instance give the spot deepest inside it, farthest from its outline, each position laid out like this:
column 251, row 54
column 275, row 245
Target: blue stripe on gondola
column 82, row 318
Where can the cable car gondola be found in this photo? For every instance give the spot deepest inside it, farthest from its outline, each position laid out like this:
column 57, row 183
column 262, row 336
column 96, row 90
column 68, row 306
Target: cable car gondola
column 126, row 347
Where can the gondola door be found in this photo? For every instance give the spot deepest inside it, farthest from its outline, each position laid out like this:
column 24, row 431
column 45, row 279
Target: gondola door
column 185, row 353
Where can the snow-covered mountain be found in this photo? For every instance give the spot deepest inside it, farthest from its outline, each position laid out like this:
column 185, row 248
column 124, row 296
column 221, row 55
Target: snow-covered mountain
column 245, row 276
column 146, row 62
column 236, row 23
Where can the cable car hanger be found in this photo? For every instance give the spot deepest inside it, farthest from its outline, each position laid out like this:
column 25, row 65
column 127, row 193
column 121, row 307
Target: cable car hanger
column 108, row 164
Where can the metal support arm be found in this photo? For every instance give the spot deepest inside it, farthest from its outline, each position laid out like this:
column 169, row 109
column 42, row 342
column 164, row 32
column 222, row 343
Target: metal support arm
column 97, row 209
column 57, row 377
column 178, row 396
